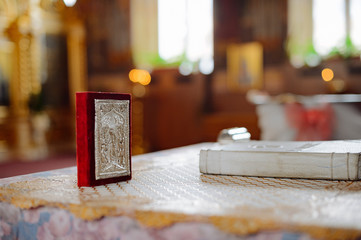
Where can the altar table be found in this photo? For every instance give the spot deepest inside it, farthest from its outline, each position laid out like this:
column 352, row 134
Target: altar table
column 168, row 198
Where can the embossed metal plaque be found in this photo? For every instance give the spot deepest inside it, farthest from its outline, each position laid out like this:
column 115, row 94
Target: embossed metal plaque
column 111, row 138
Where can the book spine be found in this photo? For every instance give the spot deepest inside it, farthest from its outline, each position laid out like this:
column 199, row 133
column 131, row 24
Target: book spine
column 332, row 166
column 82, row 139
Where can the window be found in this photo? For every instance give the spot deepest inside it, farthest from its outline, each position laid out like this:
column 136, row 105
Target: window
column 329, row 25
column 319, row 29
column 182, row 30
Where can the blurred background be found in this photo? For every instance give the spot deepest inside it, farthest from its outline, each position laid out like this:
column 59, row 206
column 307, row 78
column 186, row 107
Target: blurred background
column 284, row 69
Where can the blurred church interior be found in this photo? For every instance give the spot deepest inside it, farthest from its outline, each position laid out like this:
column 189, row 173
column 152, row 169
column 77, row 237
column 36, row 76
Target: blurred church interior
column 284, row 69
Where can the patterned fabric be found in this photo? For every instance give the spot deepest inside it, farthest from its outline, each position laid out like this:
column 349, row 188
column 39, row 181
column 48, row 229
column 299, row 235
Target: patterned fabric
column 46, row 223
column 314, row 124
column 168, row 198
column 338, row 121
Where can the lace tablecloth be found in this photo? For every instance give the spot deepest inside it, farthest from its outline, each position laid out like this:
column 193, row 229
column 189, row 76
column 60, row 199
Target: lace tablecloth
column 168, row 198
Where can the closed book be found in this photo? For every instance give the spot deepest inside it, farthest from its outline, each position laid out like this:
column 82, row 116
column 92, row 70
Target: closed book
column 334, row 160
column 103, row 138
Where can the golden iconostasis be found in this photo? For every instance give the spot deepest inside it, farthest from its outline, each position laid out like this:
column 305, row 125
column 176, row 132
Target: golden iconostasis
column 42, row 65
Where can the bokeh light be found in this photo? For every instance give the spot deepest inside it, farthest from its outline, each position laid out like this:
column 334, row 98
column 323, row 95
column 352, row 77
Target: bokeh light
column 69, row 3
column 337, row 85
column 327, row 74
column 139, row 91
column 140, row 76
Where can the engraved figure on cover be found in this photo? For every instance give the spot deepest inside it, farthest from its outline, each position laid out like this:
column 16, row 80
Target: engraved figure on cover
column 111, row 138
column 112, row 147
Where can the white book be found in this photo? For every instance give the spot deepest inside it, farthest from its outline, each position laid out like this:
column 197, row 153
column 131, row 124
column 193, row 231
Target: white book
column 335, row 160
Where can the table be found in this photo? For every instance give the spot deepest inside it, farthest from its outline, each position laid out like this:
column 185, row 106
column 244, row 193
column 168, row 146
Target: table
column 276, row 116
column 168, row 198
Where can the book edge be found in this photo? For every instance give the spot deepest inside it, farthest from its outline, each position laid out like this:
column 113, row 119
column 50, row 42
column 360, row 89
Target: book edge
column 352, row 162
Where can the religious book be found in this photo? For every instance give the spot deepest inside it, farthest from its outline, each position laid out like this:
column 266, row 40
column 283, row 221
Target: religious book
column 103, row 138
column 334, row 160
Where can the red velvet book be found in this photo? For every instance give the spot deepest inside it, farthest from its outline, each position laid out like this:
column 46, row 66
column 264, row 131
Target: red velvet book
column 103, row 138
